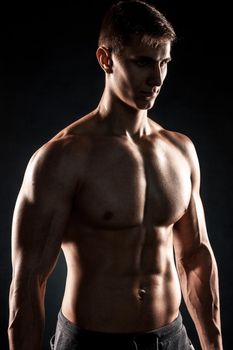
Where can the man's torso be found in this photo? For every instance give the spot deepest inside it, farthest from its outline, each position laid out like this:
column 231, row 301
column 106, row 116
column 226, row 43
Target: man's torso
column 121, row 274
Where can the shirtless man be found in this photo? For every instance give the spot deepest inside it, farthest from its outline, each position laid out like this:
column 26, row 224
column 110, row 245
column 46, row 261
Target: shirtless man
column 120, row 195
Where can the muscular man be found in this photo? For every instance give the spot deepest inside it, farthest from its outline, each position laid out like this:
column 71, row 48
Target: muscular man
column 119, row 194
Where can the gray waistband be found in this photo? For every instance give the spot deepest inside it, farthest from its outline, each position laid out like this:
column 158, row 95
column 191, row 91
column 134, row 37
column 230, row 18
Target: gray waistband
column 162, row 333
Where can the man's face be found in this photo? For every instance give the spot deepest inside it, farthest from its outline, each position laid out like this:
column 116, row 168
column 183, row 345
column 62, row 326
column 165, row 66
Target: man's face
column 139, row 72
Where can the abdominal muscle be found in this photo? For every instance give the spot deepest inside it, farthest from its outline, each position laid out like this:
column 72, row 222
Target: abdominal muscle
column 121, row 280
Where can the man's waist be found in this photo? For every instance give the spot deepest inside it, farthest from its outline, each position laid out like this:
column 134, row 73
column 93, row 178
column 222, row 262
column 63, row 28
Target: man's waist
column 162, row 333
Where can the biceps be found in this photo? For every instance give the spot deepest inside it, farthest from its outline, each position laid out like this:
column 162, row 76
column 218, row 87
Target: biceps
column 37, row 232
column 190, row 231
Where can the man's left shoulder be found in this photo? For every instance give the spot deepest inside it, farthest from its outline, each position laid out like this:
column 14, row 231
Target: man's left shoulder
column 177, row 137
column 181, row 141
column 186, row 147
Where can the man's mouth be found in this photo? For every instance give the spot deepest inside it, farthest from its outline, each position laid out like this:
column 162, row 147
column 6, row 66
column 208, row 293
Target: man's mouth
column 149, row 94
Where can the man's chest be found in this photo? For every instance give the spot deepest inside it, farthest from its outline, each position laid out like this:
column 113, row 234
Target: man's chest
column 126, row 184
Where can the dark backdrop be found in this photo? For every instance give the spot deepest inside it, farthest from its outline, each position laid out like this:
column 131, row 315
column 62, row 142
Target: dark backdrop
column 50, row 77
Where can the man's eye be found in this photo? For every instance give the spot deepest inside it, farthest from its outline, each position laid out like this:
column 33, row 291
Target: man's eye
column 164, row 63
column 141, row 62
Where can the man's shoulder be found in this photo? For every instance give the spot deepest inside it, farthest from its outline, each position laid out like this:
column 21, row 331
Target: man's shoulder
column 71, row 140
column 178, row 139
column 180, row 142
column 184, row 145
column 64, row 153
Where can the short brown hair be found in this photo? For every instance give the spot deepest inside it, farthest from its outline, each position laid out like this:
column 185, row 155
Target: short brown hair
column 134, row 17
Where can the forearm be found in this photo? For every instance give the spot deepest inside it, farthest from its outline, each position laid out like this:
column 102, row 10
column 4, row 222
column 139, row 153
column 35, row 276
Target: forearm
column 26, row 319
column 199, row 283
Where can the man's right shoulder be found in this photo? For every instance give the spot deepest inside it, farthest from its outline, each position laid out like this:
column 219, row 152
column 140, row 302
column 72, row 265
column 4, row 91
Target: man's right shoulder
column 62, row 157
column 73, row 140
column 67, row 151
column 62, row 146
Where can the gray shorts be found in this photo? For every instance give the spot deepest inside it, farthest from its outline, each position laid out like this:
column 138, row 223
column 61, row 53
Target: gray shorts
column 70, row 337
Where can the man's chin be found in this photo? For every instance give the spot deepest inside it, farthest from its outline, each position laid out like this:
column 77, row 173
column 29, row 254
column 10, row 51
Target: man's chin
column 146, row 106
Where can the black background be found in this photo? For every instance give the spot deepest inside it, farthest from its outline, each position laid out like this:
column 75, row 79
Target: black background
column 50, row 77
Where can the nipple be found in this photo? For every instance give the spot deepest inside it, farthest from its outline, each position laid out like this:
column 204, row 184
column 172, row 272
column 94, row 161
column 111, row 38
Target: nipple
column 141, row 293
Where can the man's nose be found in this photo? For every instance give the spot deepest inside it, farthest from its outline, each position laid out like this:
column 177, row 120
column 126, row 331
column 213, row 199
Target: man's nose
column 155, row 77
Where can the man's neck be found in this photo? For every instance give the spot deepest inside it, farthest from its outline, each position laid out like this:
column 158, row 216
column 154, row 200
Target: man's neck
column 124, row 120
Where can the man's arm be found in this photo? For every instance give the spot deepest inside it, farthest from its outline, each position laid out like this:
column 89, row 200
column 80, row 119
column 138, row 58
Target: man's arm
column 40, row 216
column 196, row 264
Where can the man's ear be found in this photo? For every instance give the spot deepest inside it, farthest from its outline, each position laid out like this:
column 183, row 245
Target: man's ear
column 104, row 59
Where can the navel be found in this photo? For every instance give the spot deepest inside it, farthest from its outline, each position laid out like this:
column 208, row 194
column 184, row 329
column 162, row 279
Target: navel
column 141, row 293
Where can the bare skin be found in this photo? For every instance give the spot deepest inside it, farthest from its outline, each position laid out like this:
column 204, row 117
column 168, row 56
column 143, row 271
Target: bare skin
column 122, row 218
column 119, row 194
